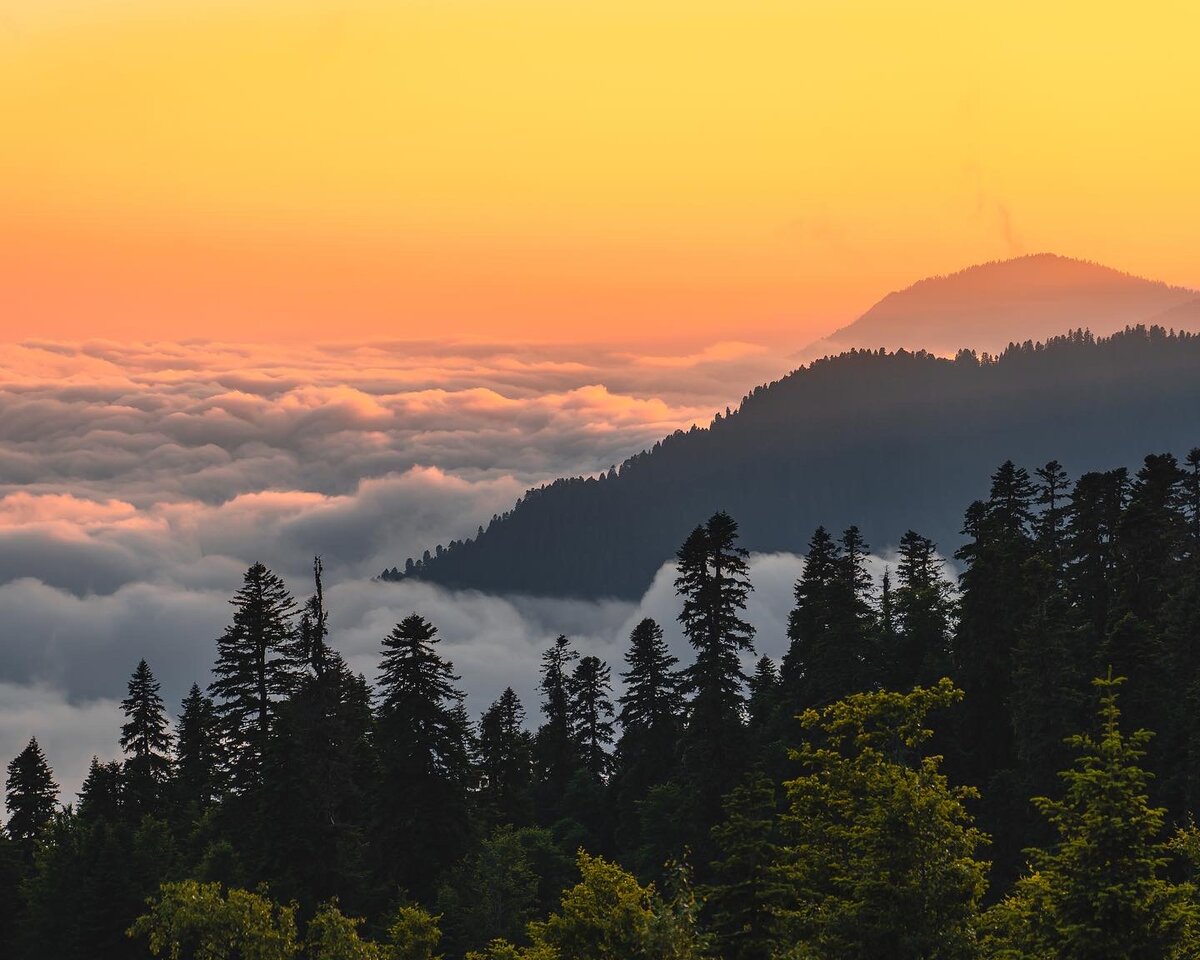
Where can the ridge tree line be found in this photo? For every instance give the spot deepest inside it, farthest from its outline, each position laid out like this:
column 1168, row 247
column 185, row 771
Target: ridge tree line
column 821, row 812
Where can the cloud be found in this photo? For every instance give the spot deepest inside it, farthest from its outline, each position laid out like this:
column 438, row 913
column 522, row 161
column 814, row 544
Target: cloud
column 138, row 480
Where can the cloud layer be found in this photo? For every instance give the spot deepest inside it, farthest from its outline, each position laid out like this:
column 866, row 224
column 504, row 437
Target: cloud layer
column 137, row 481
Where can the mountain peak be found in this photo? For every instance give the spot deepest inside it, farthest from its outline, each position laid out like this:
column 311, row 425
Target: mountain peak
column 987, row 306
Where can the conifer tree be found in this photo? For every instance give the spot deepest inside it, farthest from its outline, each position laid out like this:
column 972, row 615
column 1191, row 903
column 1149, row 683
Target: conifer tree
column 506, row 762
column 763, row 703
column 254, row 670
column 423, row 747
column 810, row 622
column 651, row 718
column 31, row 796
column 555, row 752
column 741, row 900
column 592, row 711
column 878, row 853
column 100, row 795
column 924, row 610
column 993, row 607
column 1101, row 891
column 146, row 740
column 714, row 585
column 198, row 754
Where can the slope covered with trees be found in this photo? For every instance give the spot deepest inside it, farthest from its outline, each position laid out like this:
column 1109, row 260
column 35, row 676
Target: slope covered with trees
column 884, row 441
column 1003, row 767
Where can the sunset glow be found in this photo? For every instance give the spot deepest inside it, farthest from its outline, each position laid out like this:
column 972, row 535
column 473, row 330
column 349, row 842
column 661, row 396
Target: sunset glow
column 534, row 170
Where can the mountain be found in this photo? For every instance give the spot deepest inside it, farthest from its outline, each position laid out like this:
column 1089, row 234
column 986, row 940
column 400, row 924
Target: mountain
column 986, row 307
column 885, row 440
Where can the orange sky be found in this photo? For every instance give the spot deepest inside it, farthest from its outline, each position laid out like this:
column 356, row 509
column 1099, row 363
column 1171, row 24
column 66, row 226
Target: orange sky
column 540, row 169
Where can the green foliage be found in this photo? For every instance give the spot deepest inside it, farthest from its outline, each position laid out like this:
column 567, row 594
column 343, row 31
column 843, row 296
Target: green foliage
column 195, row 920
column 413, row 934
column 878, row 853
column 330, row 935
column 1101, row 891
column 31, row 796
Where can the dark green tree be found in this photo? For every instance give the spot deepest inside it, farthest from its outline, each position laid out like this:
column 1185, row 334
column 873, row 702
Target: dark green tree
column 505, row 752
column 810, row 624
column 254, row 670
column 31, row 796
column 713, row 583
column 923, row 607
column 101, row 794
column 198, row 753
column 146, row 740
column 744, row 894
column 591, row 712
column 424, row 756
column 556, row 754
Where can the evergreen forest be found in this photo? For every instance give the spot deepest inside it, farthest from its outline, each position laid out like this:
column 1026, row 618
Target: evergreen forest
column 1003, row 763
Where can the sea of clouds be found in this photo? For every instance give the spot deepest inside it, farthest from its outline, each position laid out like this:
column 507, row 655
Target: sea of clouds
column 137, row 482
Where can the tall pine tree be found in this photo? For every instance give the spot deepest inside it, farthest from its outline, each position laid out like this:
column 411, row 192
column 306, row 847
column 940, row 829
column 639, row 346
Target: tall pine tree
column 31, row 796
column 146, row 740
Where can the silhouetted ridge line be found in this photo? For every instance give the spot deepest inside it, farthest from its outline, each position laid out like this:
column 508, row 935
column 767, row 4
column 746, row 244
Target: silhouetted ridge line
column 887, row 440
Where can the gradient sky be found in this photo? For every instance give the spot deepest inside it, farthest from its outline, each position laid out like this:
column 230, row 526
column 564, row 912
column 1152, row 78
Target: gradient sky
column 572, row 169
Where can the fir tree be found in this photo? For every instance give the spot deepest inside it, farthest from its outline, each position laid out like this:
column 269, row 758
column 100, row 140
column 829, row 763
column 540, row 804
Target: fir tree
column 254, row 669
column 506, row 762
column 100, row 795
column 1101, row 892
column 198, row 754
column 924, row 611
column 713, row 582
column 810, row 622
column 146, row 740
column 591, row 712
column 744, row 894
column 31, row 796
column 555, row 752
column 423, row 746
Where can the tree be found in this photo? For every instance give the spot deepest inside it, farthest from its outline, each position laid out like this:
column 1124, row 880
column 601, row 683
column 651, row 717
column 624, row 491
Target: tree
column 924, row 611
column 146, row 740
column 196, row 919
column 254, row 669
column 878, row 852
column 714, row 584
column 810, row 622
column 331, row 935
column 591, row 711
column 1100, row 892
column 608, row 915
column 505, row 752
column 31, row 796
column 101, row 794
column 743, row 896
column 198, row 754
column 423, row 746
column 556, row 755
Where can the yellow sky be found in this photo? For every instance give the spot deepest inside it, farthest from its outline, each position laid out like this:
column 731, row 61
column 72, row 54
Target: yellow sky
column 572, row 169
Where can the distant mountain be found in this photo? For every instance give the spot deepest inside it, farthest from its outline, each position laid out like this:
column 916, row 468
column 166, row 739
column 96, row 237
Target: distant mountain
column 887, row 441
column 989, row 306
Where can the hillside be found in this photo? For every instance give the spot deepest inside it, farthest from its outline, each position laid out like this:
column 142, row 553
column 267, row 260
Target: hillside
column 885, row 440
column 988, row 306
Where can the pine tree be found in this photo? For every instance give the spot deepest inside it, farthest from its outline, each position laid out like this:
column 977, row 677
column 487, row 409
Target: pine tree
column 506, row 762
column 423, row 746
column 1101, row 891
column 810, row 623
column 31, row 796
column 713, row 582
column 591, row 712
column 198, row 754
column 146, row 740
column 254, row 670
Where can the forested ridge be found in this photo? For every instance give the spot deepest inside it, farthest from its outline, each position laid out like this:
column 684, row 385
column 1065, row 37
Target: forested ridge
column 1006, row 766
column 883, row 440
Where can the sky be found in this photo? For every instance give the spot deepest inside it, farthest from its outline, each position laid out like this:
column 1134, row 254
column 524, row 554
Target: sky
column 285, row 278
column 533, row 170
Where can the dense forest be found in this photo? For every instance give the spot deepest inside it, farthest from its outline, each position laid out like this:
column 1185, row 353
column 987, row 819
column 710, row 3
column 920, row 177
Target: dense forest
column 1006, row 766
column 883, row 440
